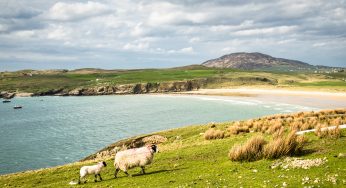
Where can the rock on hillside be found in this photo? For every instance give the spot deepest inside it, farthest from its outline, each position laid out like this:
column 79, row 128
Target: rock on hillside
column 256, row 60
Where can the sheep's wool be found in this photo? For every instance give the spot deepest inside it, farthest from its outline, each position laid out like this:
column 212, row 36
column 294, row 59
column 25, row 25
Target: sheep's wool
column 95, row 169
column 131, row 158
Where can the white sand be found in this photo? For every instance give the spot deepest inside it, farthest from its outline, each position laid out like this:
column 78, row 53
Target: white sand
column 317, row 99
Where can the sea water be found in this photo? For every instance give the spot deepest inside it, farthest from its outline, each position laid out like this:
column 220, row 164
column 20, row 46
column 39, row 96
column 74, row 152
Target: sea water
column 50, row 131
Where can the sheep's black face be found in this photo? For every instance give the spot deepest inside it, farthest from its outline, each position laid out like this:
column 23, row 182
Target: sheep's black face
column 104, row 164
column 154, row 148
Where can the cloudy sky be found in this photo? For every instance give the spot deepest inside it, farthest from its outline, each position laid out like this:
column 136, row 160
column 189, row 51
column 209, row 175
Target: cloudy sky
column 111, row 34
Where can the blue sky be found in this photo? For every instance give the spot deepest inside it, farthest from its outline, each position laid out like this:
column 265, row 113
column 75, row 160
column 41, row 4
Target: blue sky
column 113, row 34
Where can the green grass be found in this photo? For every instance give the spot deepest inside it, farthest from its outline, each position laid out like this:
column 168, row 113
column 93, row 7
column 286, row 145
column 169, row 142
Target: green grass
column 42, row 81
column 323, row 84
column 192, row 161
column 45, row 82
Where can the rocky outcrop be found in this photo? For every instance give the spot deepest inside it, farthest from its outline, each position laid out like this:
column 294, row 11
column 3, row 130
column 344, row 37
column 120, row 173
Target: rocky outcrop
column 134, row 142
column 137, row 88
column 7, row 95
column 50, row 92
column 140, row 88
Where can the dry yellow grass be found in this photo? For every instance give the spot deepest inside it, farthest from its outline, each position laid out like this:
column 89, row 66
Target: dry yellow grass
column 250, row 151
column 279, row 133
column 298, row 121
column 274, row 126
column 256, row 148
column 238, row 129
column 327, row 133
column 284, row 146
column 212, row 133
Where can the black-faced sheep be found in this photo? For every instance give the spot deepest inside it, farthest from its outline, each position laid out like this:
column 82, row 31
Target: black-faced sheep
column 131, row 158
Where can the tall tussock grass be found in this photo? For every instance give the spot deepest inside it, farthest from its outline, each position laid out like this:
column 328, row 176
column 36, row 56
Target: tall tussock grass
column 257, row 148
column 297, row 121
column 250, row 151
column 289, row 145
column 236, row 129
column 322, row 131
column 212, row 133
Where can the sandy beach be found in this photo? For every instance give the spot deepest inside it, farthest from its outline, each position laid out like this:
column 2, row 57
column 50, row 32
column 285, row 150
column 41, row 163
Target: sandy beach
column 317, row 99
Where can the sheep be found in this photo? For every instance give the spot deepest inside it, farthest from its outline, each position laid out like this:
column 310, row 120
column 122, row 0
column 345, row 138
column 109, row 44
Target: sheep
column 131, row 158
column 94, row 169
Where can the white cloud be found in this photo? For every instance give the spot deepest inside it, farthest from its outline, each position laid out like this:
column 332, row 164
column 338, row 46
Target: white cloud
column 32, row 56
column 164, row 13
column 3, row 27
column 286, row 41
column 136, row 46
column 138, row 30
column 25, row 33
column 187, row 50
column 59, row 32
column 62, row 11
column 266, row 31
column 195, row 39
column 169, row 29
column 320, row 44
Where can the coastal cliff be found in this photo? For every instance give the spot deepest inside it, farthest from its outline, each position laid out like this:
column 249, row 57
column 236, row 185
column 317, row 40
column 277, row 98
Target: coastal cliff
column 140, row 88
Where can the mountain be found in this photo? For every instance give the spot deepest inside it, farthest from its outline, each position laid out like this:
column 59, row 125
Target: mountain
column 249, row 61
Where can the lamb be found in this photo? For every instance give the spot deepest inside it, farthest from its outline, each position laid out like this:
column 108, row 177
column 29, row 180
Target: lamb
column 131, row 158
column 94, row 169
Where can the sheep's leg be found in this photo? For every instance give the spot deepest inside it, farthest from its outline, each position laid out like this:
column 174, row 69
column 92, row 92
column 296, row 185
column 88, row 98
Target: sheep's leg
column 129, row 175
column 80, row 180
column 95, row 178
column 100, row 177
column 143, row 170
column 116, row 172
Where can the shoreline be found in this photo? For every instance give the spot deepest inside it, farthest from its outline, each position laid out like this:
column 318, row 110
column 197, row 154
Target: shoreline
column 238, row 91
column 252, row 91
column 315, row 99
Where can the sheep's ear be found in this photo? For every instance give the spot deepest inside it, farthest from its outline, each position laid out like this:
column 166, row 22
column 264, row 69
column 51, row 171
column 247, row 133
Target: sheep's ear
column 104, row 163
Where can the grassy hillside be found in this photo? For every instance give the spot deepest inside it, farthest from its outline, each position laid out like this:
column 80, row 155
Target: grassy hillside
column 187, row 159
column 41, row 81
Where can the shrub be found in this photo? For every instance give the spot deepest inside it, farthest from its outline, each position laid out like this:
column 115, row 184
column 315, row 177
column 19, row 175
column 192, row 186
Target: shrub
column 211, row 134
column 250, row 151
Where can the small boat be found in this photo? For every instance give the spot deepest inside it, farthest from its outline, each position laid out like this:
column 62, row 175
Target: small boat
column 6, row 101
column 17, row 107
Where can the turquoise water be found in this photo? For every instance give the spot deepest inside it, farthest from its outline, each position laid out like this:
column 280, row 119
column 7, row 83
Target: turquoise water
column 52, row 131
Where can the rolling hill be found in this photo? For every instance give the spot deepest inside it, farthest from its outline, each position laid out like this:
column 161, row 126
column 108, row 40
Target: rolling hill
column 253, row 61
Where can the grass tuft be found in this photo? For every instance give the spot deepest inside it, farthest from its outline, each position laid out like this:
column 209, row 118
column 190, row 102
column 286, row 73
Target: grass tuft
column 322, row 131
column 256, row 148
column 212, row 133
column 250, row 151
column 284, row 146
